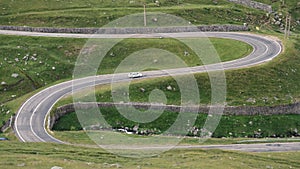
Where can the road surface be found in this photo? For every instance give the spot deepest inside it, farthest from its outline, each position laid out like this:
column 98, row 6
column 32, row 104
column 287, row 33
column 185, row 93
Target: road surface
column 31, row 118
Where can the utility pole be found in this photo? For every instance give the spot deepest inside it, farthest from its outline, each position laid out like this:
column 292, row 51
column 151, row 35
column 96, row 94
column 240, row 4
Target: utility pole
column 145, row 16
column 289, row 29
column 286, row 27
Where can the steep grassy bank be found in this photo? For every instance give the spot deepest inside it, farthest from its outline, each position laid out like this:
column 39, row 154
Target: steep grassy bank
column 30, row 63
column 257, row 126
column 42, row 155
column 97, row 14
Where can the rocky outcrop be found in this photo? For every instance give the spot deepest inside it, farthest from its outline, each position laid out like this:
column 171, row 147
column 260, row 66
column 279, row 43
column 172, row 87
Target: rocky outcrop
column 254, row 4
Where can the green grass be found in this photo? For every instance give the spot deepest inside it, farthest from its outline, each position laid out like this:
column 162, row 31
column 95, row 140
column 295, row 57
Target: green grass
column 82, row 138
column 94, row 14
column 33, row 59
column 42, row 155
column 18, row 55
column 257, row 126
column 14, row 7
column 273, row 83
column 227, row 50
column 36, row 71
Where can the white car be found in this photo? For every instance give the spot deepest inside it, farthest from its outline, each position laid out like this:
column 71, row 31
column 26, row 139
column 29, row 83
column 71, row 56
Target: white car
column 135, row 75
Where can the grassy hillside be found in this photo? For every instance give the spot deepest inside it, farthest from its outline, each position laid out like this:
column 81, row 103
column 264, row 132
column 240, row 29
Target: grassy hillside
column 39, row 62
column 282, row 7
column 257, row 126
column 41, row 155
column 92, row 13
column 273, row 83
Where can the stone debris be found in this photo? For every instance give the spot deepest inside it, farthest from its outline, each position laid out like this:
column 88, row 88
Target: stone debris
column 26, row 57
column 186, row 53
column 15, row 75
column 251, row 100
column 33, row 58
column 112, row 54
column 56, row 167
column 21, row 165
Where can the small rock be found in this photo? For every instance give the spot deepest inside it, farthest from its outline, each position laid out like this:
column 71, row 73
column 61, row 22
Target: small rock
column 169, row 87
column 21, row 165
column 33, row 58
column 277, row 23
column 269, row 167
column 56, row 167
column 135, row 128
column 25, row 58
column 186, row 53
column 251, row 100
column 17, row 59
column 53, row 68
column 13, row 96
column 3, row 83
column 15, row 75
column 142, row 90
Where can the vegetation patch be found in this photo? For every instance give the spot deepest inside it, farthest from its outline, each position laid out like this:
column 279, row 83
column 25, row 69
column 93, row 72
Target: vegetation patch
column 44, row 155
column 257, row 126
column 31, row 63
column 274, row 83
column 94, row 14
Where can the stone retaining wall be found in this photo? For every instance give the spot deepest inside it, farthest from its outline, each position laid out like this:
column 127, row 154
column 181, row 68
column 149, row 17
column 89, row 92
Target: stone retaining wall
column 229, row 110
column 205, row 28
column 254, row 4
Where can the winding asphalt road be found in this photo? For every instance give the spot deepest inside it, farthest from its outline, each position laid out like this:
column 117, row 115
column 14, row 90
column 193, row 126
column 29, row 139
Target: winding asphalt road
column 31, row 118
